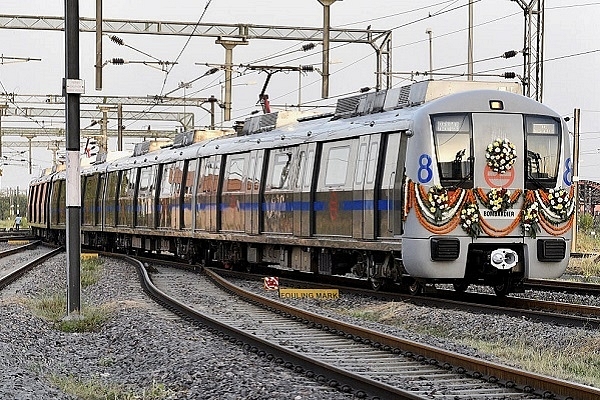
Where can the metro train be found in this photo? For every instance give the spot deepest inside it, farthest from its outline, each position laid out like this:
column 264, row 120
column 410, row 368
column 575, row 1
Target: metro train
column 435, row 182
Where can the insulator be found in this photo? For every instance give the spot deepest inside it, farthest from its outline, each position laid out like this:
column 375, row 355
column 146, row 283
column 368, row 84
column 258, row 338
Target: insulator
column 509, row 75
column 118, row 61
column 308, row 46
column 307, row 68
column 117, row 40
column 212, row 71
column 510, row 54
column 365, row 89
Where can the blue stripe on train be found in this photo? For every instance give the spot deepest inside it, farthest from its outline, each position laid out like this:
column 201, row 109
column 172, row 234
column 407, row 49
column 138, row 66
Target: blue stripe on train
column 351, row 205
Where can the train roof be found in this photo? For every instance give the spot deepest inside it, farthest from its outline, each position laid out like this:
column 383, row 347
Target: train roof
column 375, row 112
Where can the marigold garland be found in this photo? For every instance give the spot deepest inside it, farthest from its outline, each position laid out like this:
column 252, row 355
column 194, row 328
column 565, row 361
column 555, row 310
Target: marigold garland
column 460, row 208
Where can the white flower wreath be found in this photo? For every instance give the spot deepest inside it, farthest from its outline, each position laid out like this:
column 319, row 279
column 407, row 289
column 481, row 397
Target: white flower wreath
column 501, row 155
column 560, row 202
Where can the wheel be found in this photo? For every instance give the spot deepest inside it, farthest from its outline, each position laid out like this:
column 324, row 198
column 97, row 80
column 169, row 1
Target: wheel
column 415, row 288
column 377, row 283
column 461, row 286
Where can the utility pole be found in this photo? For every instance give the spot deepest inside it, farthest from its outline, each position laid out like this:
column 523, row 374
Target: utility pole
column 73, row 88
column 103, row 142
column 98, row 44
column 326, row 28
column 575, row 179
column 470, row 44
column 228, row 45
column 120, row 127
column 29, row 138
column 3, row 107
column 430, row 32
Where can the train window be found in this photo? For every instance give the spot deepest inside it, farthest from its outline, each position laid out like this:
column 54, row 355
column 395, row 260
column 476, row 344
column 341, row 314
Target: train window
column 235, row 173
column 336, row 170
column 543, row 149
column 452, row 137
column 360, row 163
column 372, row 163
column 125, row 201
column 280, row 170
column 145, row 197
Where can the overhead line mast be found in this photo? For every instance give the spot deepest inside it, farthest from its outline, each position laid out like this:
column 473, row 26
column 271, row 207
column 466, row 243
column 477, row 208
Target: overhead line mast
column 380, row 40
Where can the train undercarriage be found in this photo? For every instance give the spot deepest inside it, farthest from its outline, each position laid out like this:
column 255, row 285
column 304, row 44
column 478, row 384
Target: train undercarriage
column 380, row 268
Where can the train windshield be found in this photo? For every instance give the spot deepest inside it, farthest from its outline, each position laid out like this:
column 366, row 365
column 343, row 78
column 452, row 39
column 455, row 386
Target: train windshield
column 452, row 136
column 543, row 150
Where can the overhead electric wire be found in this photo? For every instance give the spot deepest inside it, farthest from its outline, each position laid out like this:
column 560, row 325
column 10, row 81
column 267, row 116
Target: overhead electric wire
column 189, row 38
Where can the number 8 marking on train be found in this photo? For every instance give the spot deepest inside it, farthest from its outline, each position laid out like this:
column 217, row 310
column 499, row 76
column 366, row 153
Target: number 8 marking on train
column 425, row 168
column 567, row 176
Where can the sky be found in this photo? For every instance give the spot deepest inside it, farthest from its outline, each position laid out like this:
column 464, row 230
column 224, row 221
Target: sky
column 572, row 54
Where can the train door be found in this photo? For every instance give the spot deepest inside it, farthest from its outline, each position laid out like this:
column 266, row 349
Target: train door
column 389, row 196
column 302, row 189
column 206, row 194
column 253, row 195
column 364, row 187
column 502, row 131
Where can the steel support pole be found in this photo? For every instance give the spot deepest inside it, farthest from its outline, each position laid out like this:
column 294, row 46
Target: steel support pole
column 470, row 44
column 73, row 189
column 29, row 138
column 3, row 107
column 576, row 119
column 326, row 28
column 120, row 127
column 99, row 45
column 228, row 45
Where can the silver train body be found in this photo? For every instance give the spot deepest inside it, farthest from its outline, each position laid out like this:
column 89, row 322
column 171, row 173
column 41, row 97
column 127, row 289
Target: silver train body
column 428, row 183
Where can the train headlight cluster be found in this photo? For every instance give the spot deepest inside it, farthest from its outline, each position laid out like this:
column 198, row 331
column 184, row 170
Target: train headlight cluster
column 504, row 258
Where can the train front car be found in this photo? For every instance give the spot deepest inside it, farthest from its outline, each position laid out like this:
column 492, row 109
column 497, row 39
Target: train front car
column 489, row 192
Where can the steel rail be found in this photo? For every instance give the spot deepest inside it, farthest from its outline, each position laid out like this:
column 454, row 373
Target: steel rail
column 345, row 381
column 17, row 273
column 527, row 381
column 17, row 249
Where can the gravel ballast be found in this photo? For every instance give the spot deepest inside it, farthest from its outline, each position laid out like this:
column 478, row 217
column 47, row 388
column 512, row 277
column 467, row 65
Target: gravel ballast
column 142, row 346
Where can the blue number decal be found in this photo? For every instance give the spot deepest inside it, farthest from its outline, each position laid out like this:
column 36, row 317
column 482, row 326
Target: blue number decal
column 425, row 168
column 568, row 175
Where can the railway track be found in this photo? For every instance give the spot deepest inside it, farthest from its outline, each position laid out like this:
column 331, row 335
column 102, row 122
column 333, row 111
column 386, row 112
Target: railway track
column 568, row 314
column 353, row 359
column 12, row 273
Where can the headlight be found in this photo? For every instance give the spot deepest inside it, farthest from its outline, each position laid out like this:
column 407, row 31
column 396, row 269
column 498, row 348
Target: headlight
column 504, row 258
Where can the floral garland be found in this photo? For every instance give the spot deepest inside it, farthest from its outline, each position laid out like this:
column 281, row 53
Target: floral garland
column 441, row 211
column 530, row 218
column 559, row 205
column 469, row 219
column 498, row 199
column 438, row 201
column 438, row 206
column 501, row 155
